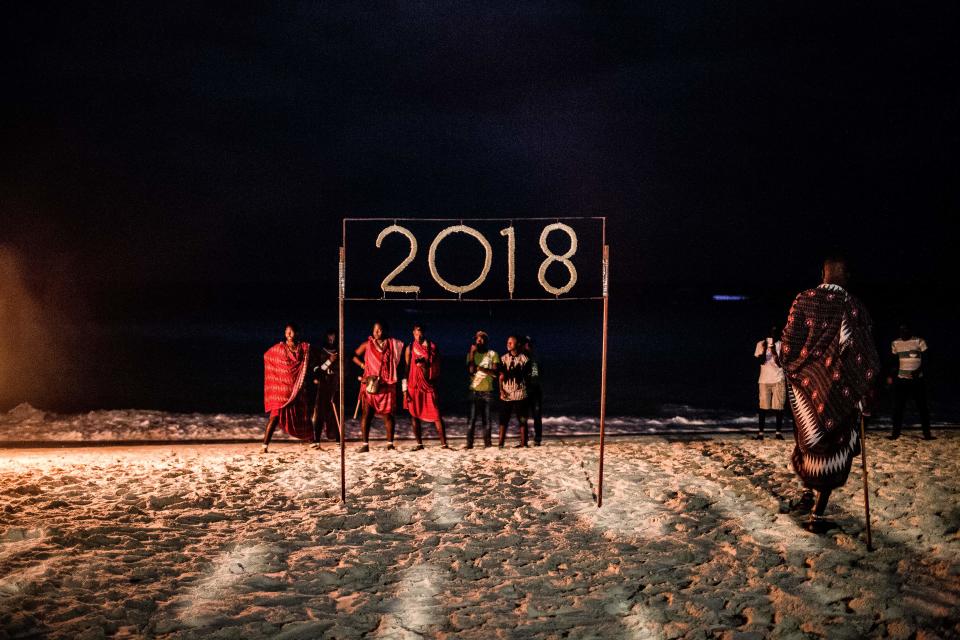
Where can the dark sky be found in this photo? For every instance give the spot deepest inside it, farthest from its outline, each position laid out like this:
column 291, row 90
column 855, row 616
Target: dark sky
column 729, row 143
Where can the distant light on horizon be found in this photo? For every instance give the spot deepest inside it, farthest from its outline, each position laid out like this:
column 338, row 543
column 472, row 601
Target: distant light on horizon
column 722, row 297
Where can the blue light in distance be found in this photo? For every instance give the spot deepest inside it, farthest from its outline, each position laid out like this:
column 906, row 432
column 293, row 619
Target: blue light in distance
column 721, row 297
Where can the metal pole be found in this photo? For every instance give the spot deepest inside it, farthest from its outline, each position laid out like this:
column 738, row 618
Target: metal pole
column 603, row 368
column 343, row 418
column 866, row 491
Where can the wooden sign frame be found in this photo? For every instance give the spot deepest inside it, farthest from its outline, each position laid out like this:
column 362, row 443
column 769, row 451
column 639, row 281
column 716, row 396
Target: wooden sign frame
column 556, row 224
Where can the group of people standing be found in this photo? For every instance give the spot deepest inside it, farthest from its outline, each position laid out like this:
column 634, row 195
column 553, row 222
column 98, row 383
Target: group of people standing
column 516, row 377
column 301, row 387
column 906, row 380
column 824, row 364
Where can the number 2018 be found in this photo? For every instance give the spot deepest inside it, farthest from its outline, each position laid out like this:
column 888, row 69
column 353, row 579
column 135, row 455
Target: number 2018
column 510, row 235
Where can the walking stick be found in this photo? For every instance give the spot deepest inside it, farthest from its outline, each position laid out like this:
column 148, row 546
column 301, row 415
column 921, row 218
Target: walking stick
column 315, row 415
column 336, row 415
column 866, row 492
column 356, row 409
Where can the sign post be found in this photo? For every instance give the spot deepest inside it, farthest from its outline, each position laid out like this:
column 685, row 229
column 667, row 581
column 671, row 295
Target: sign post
column 342, row 288
column 510, row 270
column 603, row 369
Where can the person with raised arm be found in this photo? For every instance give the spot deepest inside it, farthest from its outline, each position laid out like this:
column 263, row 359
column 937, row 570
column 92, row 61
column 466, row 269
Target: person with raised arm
column 482, row 364
column 326, row 377
column 773, row 390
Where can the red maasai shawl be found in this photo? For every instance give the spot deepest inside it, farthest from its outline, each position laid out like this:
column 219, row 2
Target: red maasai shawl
column 283, row 375
column 383, row 363
column 421, row 398
column 416, row 379
column 831, row 364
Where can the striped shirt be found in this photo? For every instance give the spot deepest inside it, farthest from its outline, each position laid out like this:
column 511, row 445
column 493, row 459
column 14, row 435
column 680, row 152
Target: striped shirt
column 910, row 355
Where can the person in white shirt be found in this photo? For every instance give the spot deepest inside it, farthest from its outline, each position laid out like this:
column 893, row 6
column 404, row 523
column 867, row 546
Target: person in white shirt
column 514, row 374
column 773, row 390
column 909, row 351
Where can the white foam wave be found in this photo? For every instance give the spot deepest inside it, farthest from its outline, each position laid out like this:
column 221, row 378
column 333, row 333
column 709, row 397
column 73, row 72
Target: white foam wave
column 25, row 423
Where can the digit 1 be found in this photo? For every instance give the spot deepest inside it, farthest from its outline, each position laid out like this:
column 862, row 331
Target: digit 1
column 511, row 234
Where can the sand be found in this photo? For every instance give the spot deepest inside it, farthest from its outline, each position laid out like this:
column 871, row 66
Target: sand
column 218, row 541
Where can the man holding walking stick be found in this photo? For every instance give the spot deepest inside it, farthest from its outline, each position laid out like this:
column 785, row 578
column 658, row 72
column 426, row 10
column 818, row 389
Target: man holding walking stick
column 326, row 377
column 831, row 366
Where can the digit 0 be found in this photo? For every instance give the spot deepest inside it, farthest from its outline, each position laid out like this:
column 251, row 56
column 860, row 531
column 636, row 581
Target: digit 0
column 487, row 258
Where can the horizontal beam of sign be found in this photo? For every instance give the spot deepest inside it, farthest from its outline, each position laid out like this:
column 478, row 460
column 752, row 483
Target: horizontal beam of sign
column 485, row 259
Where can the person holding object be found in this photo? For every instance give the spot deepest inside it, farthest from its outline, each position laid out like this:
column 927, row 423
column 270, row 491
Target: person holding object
column 285, row 367
column 831, row 367
column 773, row 389
column 419, row 394
column 381, row 357
column 514, row 374
column 534, row 391
column 909, row 350
column 482, row 364
column 326, row 376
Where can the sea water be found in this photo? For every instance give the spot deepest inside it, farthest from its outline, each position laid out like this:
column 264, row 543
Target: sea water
column 190, row 364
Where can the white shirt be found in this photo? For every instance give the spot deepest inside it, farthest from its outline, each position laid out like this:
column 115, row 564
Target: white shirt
column 770, row 373
column 910, row 353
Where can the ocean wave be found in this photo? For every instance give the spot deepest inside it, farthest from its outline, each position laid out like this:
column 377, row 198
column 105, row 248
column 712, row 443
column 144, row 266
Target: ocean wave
column 26, row 423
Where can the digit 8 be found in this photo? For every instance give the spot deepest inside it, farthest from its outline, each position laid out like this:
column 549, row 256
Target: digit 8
column 563, row 259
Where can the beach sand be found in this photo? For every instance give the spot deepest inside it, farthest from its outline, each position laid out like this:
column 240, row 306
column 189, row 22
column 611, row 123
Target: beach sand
column 219, row 541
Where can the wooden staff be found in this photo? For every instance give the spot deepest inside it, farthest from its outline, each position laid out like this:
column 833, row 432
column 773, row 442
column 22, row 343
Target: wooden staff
column 336, row 414
column 866, row 491
column 340, row 423
column 356, row 409
column 603, row 369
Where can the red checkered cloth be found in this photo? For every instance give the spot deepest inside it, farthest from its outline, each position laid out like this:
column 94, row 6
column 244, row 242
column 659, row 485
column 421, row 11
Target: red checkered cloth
column 284, row 371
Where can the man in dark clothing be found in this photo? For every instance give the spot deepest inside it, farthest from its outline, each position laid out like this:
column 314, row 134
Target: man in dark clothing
column 909, row 352
column 326, row 377
column 534, row 391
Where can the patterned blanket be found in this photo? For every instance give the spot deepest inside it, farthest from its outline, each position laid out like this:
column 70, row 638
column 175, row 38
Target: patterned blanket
column 283, row 374
column 832, row 366
column 284, row 371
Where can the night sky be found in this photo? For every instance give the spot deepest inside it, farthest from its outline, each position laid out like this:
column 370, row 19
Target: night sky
column 199, row 141
column 730, row 144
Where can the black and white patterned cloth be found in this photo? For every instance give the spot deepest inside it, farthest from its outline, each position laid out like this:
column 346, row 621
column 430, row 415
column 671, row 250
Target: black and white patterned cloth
column 832, row 366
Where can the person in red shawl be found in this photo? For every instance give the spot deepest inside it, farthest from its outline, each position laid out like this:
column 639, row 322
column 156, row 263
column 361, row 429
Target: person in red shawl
column 285, row 367
column 420, row 395
column 378, row 389
column 831, row 367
